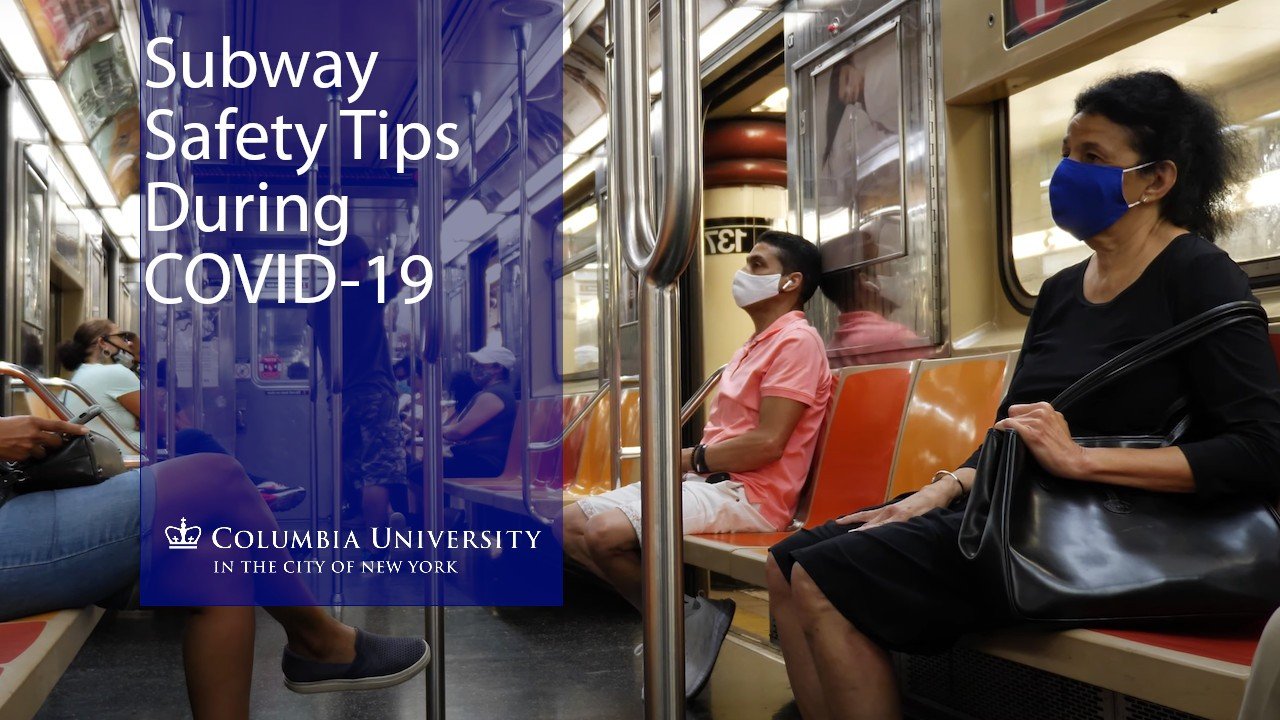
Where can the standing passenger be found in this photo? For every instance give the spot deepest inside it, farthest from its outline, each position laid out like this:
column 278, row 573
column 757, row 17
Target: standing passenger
column 373, row 457
column 747, row 473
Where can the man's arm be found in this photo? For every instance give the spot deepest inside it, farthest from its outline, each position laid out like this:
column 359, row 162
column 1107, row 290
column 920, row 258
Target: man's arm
column 755, row 448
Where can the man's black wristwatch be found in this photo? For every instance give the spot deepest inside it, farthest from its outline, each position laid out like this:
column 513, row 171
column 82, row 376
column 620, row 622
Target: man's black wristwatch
column 698, row 459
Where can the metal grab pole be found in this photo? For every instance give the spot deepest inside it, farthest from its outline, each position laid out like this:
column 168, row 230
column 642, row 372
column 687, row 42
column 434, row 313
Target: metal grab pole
column 313, row 462
column 336, row 349
column 660, row 255
column 430, row 218
column 521, row 33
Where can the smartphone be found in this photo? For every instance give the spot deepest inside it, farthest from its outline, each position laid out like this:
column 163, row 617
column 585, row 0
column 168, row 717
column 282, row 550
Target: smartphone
column 89, row 414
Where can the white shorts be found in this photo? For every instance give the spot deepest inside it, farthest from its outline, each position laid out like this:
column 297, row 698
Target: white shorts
column 707, row 508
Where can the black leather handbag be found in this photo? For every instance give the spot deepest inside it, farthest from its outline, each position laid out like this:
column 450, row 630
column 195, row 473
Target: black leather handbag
column 1075, row 552
column 81, row 460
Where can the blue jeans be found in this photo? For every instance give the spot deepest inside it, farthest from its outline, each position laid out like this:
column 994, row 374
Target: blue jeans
column 70, row 548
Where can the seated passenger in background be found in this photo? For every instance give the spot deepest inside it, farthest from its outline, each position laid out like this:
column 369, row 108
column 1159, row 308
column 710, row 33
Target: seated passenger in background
column 747, row 473
column 101, row 360
column 462, row 387
column 1147, row 169
column 479, row 433
column 71, row 548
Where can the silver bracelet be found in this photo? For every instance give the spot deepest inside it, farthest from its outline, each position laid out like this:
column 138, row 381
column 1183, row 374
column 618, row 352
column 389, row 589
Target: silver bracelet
column 947, row 473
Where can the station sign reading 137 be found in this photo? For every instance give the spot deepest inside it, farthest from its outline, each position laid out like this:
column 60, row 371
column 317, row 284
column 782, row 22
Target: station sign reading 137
column 733, row 235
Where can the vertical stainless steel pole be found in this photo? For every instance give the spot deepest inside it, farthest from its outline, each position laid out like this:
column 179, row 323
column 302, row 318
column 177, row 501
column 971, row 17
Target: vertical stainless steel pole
column 336, row 349
column 521, row 33
column 659, row 252
column 430, row 218
column 313, row 465
column 610, row 309
column 661, row 546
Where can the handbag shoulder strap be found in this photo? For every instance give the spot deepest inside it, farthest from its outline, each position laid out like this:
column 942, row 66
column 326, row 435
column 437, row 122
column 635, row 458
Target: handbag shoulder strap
column 1160, row 346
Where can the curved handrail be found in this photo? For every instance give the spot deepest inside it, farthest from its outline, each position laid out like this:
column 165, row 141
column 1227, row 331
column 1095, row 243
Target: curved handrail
column 687, row 411
column 659, row 255
column 87, row 399
column 28, row 378
column 700, row 395
column 577, row 419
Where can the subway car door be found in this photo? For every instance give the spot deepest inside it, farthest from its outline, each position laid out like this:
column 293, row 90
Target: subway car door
column 274, row 367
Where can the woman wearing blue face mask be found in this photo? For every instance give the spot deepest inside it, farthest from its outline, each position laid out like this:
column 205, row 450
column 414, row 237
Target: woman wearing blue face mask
column 1146, row 169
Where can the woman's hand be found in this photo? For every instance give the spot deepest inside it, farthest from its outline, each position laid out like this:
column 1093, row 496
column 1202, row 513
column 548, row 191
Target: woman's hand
column 928, row 498
column 1047, row 436
column 24, row 437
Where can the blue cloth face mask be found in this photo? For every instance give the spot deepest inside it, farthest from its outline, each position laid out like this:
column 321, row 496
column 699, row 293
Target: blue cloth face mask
column 1087, row 199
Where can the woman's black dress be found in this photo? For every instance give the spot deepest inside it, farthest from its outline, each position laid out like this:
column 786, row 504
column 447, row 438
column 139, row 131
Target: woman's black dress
column 906, row 585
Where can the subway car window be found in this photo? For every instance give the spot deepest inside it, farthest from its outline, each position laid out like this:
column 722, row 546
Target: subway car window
column 68, row 242
column 579, row 286
column 580, row 320
column 1243, row 82
column 579, row 228
column 284, row 344
column 865, row 186
column 35, row 272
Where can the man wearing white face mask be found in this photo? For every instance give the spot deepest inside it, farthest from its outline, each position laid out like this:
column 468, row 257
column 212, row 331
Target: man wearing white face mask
column 747, row 473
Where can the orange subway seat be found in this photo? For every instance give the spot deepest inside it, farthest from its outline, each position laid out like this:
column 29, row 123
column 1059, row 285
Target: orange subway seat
column 953, row 404
column 571, row 450
column 16, row 636
column 1237, row 645
column 851, row 467
column 853, row 464
column 630, row 434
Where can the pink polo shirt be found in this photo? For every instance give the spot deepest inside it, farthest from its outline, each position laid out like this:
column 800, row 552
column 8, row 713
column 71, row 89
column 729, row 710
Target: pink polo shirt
column 787, row 360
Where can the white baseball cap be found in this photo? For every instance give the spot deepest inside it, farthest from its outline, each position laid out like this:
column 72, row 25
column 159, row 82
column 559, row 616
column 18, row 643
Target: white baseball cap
column 494, row 355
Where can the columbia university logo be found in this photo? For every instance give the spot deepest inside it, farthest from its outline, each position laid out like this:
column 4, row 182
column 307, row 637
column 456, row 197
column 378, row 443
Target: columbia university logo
column 183, row 537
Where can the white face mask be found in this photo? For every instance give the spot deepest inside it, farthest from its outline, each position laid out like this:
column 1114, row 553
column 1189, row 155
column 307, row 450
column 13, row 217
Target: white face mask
column 750, row 289
column 120, row 356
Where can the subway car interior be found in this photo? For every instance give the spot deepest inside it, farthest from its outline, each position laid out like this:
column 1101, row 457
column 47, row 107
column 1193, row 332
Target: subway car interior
column 912, row 141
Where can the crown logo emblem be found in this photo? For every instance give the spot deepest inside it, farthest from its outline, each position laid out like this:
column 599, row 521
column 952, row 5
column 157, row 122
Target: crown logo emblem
column 182, row 537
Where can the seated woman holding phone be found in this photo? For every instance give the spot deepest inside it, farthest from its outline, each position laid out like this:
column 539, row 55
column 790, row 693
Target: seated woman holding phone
column 73, row 547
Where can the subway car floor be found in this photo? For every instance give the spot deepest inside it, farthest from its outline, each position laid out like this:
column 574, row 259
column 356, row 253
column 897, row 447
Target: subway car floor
column 574, row 662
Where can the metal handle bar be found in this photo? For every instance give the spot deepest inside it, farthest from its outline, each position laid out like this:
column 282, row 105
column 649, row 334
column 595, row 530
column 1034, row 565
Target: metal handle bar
column 700, row 395
column 85, row 398
column 659, row 255
column 687, row 412
column 581, row 416
column 33, row 384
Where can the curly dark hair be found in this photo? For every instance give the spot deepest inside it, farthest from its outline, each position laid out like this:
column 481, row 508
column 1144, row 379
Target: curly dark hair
column 1170, row 121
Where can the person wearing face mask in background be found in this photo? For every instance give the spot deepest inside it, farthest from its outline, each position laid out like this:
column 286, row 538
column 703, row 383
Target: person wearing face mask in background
column 747, row 473
column 102, row 360
column 104, row 363
column 480, row 433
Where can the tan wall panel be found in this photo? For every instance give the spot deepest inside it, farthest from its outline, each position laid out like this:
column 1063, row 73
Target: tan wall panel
column 977, row 68
column 725, row 325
